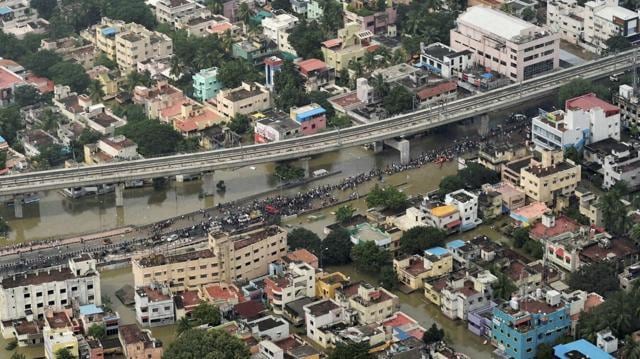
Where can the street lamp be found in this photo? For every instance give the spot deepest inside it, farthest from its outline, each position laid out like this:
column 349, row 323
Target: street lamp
column 322, row 254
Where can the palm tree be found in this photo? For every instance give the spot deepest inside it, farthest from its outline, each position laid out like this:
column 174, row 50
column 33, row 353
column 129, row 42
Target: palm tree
column 226, row 40
column 356, row 66
column 244, row 15
column 95, row 91
column 176, row 67
column 631, row 349
column 215, row 6
column 503, row 287
column 399, row 56
column 369, row 60
column 414, row 23
column 184, row 324
column 380, row 87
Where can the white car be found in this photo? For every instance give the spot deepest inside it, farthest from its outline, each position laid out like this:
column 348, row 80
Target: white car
column 172, row 237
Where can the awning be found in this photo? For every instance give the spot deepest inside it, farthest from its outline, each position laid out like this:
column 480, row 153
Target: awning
column 454, row 223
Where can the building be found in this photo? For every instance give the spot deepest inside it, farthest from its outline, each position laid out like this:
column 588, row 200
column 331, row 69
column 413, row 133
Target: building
column 629, row 276
column 228, row 258
column 33, row 292
column 190, row 118
column 321, row 315
column 8, row 83
column 549, row 177
column 110, row 149
column 275, row 128
column 72, row 49
column 443, row 60
column 592, row 24
column 254, row 50
column 606, row 341
column 579, row 349
column 270, row 327
column 58, row 334
column 316, row 74
column 277, row 28
column 139, row 344
column 173, row 12
column 128, row 44
column 328, row 283
column 18, row 18
column 413, row 270
column 154, row 305
column 627, row 101
column 350, row 45
column 520, row 325
column 157, row 98
column 510, row 46
column 206, row 84
column 298, row 281
column 312, row 118
column 439, row 215
column 243, row 100
column 376, row 22
column 467, row 205
column 467, row 294
column 365, row 232
column 587, row 119
column 33, row 141
column 373, row 305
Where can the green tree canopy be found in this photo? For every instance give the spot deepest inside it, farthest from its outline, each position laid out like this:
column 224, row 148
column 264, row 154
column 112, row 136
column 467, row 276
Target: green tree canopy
column 211, row 344
column 206, row 313
column 388, row 278
column 64, row 353
column 10, row 124
column 336, row 247
column 417, row 239
column 368, row 257
column 433, row 334
column 153, row 138
column 240, row 124
column 617, row 43
column 599, row 277
column 398, row 100
column 97, row 331
column 305, row 38
column 45, row 8
column 27, row 96
column 345, row 213
column 289, row 88
column 579, row 87
column 71, row 74
column 614, row 214
column 388, row 197
column 233, row 72
column 300, row 238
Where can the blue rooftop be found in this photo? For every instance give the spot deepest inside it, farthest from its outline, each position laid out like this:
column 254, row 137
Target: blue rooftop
column 581, row 346
column 436, row 251
column 401, row 334
column 456, row 243
column 90, row 309
column 5, row 10
column 2, row 140
column 310, row 113
column 109, row 31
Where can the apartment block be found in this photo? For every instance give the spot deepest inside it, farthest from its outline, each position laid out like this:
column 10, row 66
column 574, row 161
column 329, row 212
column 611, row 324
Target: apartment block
column 154, row 305
column 412, row 271
column 174, row 11
column 467, row 204
column 444, row 60
column 139, row 343
column 18, row 18
column 277, row 28
column 321, row 315
column 627, row 101
column 58, row 334
column 31, row 293
column 467, row 294
column 506, row 44
column 206, row 84
column 129, row 43
column 548, row 177
column 350, row 45
column 372, row 304
column 377, row 22
column 297, row 282
column 243, row 100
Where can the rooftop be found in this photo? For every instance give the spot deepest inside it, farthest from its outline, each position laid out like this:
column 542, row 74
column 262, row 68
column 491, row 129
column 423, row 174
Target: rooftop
column 301, row 255
column 241, row 93
column 540, row 171
column 36, row 278
column 154, row 294
column 160, row 259
column 323, row 307
column 58, row 320
column 590, row 101
column 583, row 347
column 496, row 22
column 609, row 13
column 311, row 65
column 443, row 211
column 8, row 79
column 132, row 334
column 438, row 89
column 563, row 224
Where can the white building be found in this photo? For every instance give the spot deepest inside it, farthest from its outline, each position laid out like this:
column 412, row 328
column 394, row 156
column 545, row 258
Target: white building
column 467, row 204
column 503, row 43
column 174, row 11
column 444, row 60
column 274, row 328
column 277, row 29
column 31, row 293
column 320, row 315
column 154, row 305
column 587, row 119
column 590, row 26
column 119, row 147
column 299, row 281
column 467, row 293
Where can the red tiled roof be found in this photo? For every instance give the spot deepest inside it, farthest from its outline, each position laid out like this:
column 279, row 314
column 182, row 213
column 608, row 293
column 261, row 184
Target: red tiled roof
column 218, row 292
column 220, row 28
column 42, row 84
column 8, row 79
column 332, row 43
column 303, row 255
column 249, row 310
column 563, row 225
column 436, row 90
column 309, row 65
column 589, row 101
column 400, row 319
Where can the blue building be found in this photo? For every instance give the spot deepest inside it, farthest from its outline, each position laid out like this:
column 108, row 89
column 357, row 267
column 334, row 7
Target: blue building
column 579, row 349
column 206, row 84
column 519, row 326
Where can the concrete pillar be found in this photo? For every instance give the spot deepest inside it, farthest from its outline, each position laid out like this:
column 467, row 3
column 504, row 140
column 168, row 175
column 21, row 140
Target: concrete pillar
column 378, row 146
column 304, row 162
column 18, row 201
column 120, row 194
column 208, row 185
column 404, row 146
column 483, row 128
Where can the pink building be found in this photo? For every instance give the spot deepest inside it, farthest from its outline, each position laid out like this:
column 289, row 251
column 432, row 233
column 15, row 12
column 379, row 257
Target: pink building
column 377, row 22
column 312, row 118
column 506, row 44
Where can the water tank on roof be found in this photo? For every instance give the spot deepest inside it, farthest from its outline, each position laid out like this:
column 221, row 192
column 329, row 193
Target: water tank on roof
column 513, row 303
column 553, row 297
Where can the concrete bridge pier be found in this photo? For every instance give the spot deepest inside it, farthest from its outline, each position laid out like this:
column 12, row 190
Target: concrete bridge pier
column 208, row 184
column 378, row 146
column 402, row 145
column 120, row 194
column 304, row 162
column 18, row 201
column 483, row 129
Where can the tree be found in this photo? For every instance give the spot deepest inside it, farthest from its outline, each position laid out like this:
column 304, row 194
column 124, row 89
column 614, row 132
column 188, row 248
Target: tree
column 97, row 331
column 104, row 60
column 433, row 334
column 42, row 62
column 306, row 38
column 3, row 160
column 233, row 73
column 10, row 124
column 344, row 214
column 339, row 121
column 631, row 348
column 380, row 87
column 50, row 156
column 398, row 100
column 27, row 96
column 528, row 14
column 572, row 153
column 45, row 8
column 336, row 247
column 599, row 277
column 286, row 172
column 64, row 353
column 614, row 214
column 388, row 197
column 153, row 138
column 503, row 288
column 240, row 124
column 473, row 176
column 368, row 257
column 207, row 344
column 281, row 5
column 332, row 17
column 578, row 87
column 4, row 227
column 300, row 238
column 388, row 279
column 450, row 184
column 289, row 88
column 206, row 313
column 417, row 239
column 617, row 43
column 95, row 91
column 351, row 351
column 544, row 351
column 520, row 237
column 18, row 356
column 135, row 78
column 71, row 74
column 184, row 325
column 244, row 13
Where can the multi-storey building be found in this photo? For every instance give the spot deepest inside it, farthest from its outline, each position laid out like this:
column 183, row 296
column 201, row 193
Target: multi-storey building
column 587, row 119
column 413, row 270
column 551, row 176
column 467, row 294
column 243, row 100
column 154, row 305
column 128, row 44
column 73, row 49
column 315, row 73
column 173, row 11
column 230, row 257
column 275, row 128
column 372, row 304
column 206, row 84
column 467, row 204
column 319, row 316
column 312, row 118
column 31, row 293
column 521, row 325
column 139, row 344
column 58, row 334
column 298, row 281
column 377, row 22
column 328, row 283
column 627, row 101
column 350, row 45
column 277, row 28
column 503, row 43
column 444, row 60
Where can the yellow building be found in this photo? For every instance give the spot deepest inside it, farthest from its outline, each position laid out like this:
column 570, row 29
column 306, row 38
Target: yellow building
column 412, row 271
column 229, row 258
column 433, row 289
column 328, row 283
column 548, row 175
column 129, row 43
column 373, row 304
column 58, row 334
column 246, row 99
column 350, row 45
